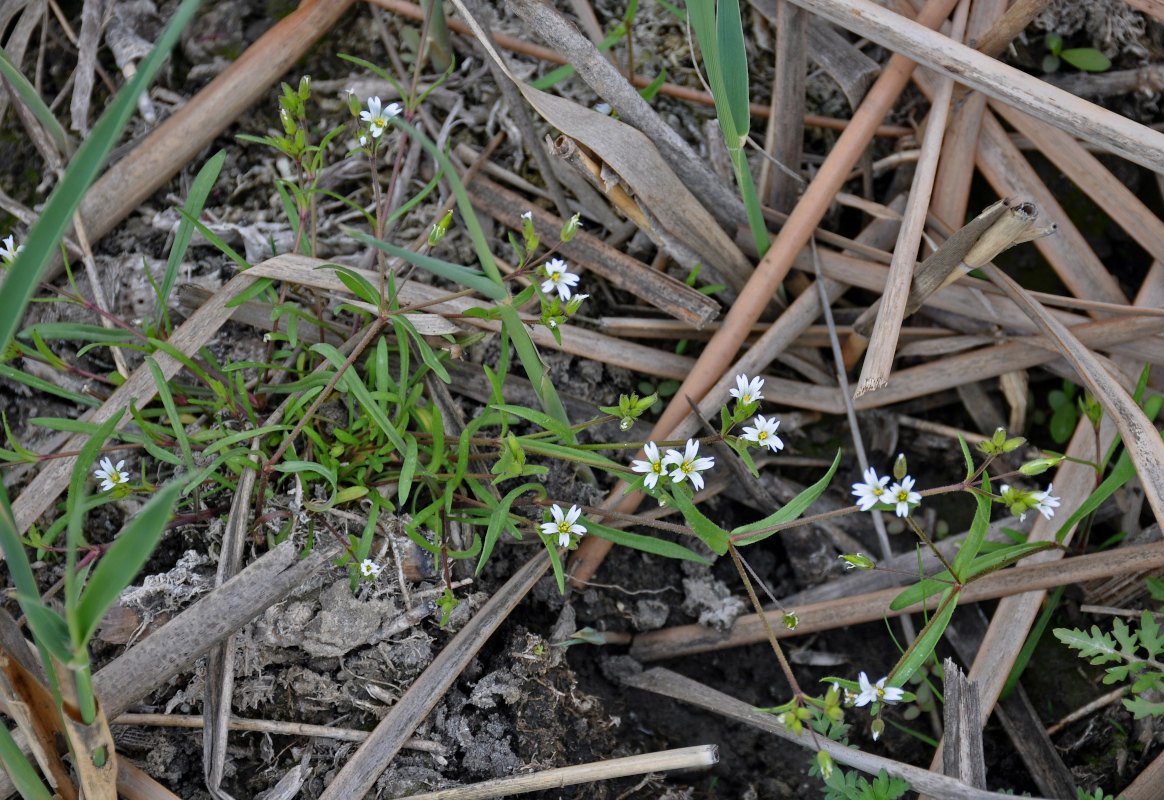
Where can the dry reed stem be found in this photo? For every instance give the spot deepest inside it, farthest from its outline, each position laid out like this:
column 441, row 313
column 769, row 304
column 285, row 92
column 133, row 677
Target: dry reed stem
column 358, row 775
column 703, row 755
column 784, row 139
column 771, row 270
column 1067, row 250
column 883, row 342
column 1015, row 582
column 670, row 684
column 413, row 11
column 1089, row 174
column 1135, row 142
column 956, row 165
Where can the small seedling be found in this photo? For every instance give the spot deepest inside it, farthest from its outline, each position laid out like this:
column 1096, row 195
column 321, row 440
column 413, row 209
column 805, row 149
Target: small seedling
column 1085, row 58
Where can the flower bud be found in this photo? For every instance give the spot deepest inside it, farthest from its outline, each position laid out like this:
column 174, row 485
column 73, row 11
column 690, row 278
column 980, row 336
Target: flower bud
column 825, row 762
column 791, row 620
column 439, row 229
column 878, row 728
column 859, row 561
column 900, row 468
column 1040, row 465
column 305, row 87
column 570, row 228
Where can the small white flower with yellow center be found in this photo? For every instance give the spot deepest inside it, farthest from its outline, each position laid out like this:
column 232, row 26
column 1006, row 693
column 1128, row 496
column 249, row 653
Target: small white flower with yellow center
column 377, row 115
column 903, row 496
column 764, row 433
column 110, row 475
column 565, row 524
column 688, row 464
column 872, row 491
column 652, row 467
column 559, row 279
column 876, row 692
column 747, row 391
column 369, row 568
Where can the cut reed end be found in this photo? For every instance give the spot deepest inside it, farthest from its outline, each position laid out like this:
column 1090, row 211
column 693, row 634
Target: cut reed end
column 870, row 385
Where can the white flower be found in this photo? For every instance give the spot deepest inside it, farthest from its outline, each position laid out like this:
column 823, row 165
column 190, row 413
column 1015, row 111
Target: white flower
column 747, row 391
column 687, row 464
column 653, row 466
column 1044, row 503
column 10, row 250
column 110, row 475
column 904, row 496
column 559, row 279
column 876, row 692
column 528, row 215
column 377, row 116
column 363, row 140
column 565, row 525
column 369, row 568
column 602, row 108
column 871, row 492
column 764, row 434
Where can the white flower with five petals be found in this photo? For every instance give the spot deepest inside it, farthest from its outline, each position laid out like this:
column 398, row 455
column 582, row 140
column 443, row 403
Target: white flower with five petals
column 377, row 115
column 652, row 467
column 110, row 475
column 688, row 464
column 764, row 433
column 564, row 524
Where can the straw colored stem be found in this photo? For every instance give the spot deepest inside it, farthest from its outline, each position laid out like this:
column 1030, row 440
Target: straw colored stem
column 873, row 606
column 1086, row 120
column 413, row 11
column 883, row 343
column 704, row 755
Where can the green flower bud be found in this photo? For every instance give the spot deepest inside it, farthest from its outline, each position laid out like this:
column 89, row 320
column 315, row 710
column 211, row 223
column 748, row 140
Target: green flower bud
column 791, row 620
column 1040, row 465
column 439, row 229
column 900, row 468
column 305, row 87
column 878, row 728
column 825, row 762
column 570, row 228
column 858, row 561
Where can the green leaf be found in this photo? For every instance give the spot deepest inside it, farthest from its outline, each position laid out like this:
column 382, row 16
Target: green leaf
column 42, row 385
column 172, row 412
column 1086, row 58
column 712, row 535
column 408, row 467
column 535, row 370
column 475, row 280
column 793, row 509
column 733, row 58
column 353, row 384
column 195, row 201
column 16, row 765
column 499, row 520
column 357, row 284
column 121, row 563
column 974, row 538
column 31, row 98
column 923, row 646
column 648, row 544
column 538, row 418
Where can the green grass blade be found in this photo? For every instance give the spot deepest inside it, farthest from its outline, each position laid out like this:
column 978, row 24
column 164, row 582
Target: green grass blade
column 172, row 412
column 17, row 767
column 733, row 65
column 31, row 98
column 121, row 563
column 195, row 201
column 44, row 237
